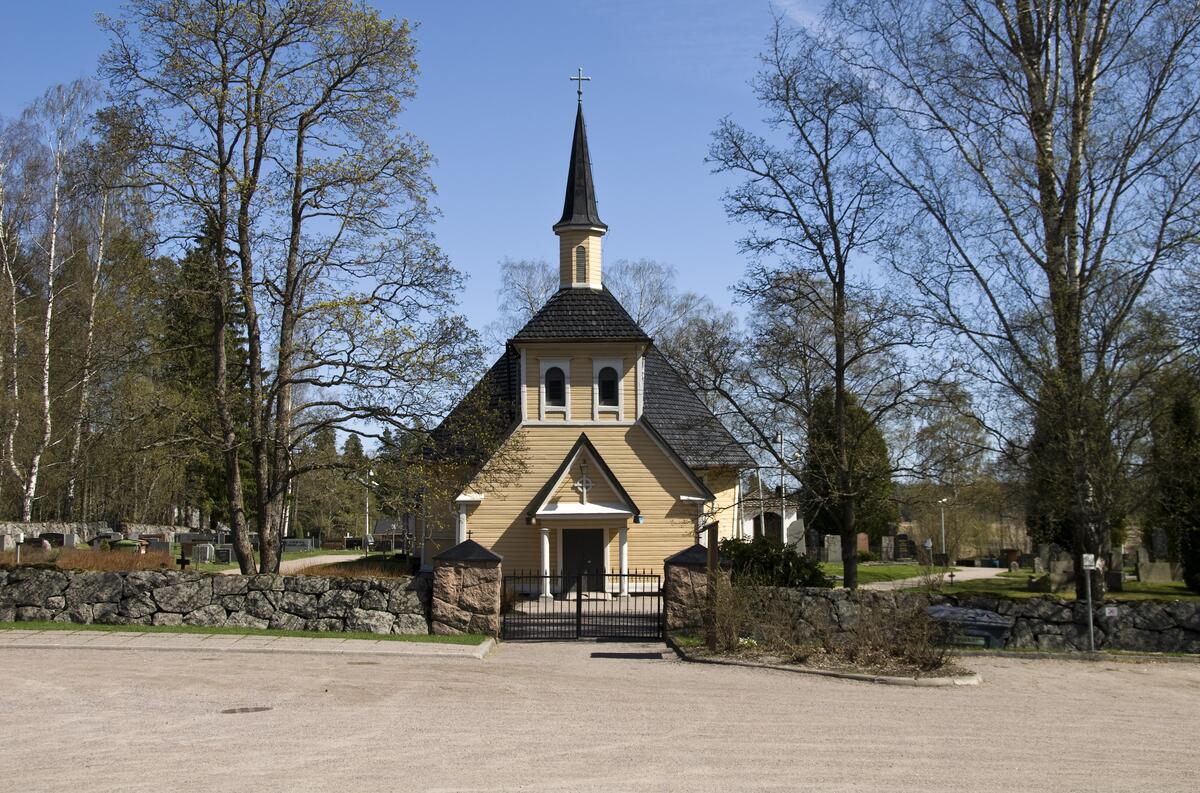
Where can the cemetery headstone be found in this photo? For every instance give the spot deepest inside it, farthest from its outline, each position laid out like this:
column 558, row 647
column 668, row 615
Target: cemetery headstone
column 203, row 552
column 7, row 543
column 158, row 546
column 224, row 554
column 887, row 549
column 833, row 548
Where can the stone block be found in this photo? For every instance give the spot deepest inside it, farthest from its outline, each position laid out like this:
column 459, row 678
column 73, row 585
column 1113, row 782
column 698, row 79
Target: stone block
column 487, row 624
column 109, row 614
column 137, row 606
column 266, row 582
column 325, row 624
column 368, row 621
column 298, row 603
column 410, row 624
column 259, row 605
column 81, row 613
column 307, row 584
column 33, row 587
column 374, row 600
column 167, row 618
column 230, row 585
column 244, row 619
column 450, row 615
column 185, row 596
column 211, row 616
column 287, row 622
column 90, row 587
column 338, row 603
column 34, row 614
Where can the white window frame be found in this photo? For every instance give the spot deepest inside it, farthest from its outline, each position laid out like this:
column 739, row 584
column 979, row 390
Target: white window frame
column 545, row 364
column 597, row 408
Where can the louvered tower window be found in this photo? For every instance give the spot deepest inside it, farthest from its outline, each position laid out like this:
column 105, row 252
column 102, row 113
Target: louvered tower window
column 580, row 265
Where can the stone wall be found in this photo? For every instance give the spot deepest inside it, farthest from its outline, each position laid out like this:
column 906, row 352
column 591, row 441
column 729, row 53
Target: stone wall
column 685, row 596
column 1039, row 623
column 466, row 598
column 85, row 530
column 1139, row 625
column 177, row 598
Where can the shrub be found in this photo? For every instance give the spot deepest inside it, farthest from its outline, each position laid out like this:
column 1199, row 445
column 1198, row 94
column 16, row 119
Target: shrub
column 86, row 559
column 867, row 556
column 768, row 562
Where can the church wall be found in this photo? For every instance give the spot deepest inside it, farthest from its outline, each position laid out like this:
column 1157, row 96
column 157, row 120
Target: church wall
column 647, row 474
column 581, row 378
column 723, row 482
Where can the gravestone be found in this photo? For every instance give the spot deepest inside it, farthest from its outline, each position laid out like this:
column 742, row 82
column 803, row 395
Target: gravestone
column 887, row 549
column 297, row 544
column 35, row 544
column 203, row 552
column 1014, row 567
column 7, row 543
column 72, row 540
column 224, row 554
column 55, row 538
column 1159, row 544
column 158, row 546
column 832, row 548
column 1039, row 567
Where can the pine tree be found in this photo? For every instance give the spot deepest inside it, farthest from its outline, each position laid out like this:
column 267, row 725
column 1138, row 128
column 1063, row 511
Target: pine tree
column 1175, row 489
column 870, row 471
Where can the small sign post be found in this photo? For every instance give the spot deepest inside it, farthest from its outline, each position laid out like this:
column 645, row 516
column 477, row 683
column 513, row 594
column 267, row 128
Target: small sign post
column 1088, row 563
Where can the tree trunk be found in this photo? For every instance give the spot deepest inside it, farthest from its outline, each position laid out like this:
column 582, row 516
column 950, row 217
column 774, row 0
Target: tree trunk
column 85, row 378
column 29, row 493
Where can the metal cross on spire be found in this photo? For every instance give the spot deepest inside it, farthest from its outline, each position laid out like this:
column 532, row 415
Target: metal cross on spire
column 579, row 79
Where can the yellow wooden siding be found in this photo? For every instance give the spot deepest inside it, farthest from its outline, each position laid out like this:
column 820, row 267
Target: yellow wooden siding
column 568, row 241
column 581, row 379
column 644, row 470
column 723, row 483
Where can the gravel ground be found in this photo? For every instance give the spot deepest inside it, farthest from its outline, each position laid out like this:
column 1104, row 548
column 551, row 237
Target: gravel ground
column 563, row 717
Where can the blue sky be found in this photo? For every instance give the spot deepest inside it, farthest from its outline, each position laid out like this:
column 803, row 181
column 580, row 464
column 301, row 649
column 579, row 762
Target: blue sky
column 496, row 108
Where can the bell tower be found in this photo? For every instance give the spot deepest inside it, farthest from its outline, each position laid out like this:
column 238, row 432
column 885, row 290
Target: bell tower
column 580, row 228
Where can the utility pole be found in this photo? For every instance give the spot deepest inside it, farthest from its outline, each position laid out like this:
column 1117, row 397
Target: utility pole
column 782, row 496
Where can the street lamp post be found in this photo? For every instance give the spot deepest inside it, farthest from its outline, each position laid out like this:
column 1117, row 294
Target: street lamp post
column 942, row 504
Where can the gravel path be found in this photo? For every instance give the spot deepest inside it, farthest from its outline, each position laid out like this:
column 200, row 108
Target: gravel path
column 288, row 566
column 583, row 717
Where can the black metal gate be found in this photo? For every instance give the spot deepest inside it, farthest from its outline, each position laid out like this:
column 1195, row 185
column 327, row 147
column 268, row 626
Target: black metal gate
column 582, row 606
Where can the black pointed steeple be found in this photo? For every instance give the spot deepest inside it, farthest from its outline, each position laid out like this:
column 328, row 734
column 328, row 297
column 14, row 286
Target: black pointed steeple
column 579, row 206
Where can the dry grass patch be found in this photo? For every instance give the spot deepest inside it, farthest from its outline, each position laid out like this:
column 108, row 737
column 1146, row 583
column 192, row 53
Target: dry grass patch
column 760, row 622
column 79, row 559
column 361, row 567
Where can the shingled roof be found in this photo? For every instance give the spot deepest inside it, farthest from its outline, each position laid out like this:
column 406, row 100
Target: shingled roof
column 573, row 313
column 684, row 421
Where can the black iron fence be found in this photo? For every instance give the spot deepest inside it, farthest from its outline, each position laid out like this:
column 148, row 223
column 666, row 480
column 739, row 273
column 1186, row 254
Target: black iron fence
column 582, row 605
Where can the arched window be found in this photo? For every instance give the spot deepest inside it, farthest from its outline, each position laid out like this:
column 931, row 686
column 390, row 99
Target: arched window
column 607, row 381
column 556, row 387
column 580, row 265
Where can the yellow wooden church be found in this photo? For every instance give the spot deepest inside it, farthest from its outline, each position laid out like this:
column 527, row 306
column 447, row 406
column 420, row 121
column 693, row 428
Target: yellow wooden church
column 622, row 461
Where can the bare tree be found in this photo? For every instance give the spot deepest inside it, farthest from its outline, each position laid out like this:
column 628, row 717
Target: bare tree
column 275, row 124
column 1050, row 149
column 817, row 203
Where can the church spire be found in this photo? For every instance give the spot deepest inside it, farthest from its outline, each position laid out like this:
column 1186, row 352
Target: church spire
column 579, row 229
column 579, row 205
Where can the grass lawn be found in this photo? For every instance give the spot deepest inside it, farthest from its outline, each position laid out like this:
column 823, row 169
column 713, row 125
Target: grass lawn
column 874, row 572
column 470, row 639
column 1013, row 585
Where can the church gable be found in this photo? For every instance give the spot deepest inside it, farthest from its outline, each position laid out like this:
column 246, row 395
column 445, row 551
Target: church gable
column 583, row 486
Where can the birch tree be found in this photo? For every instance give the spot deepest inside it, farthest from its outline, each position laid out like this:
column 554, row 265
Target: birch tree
column 1050, row 150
